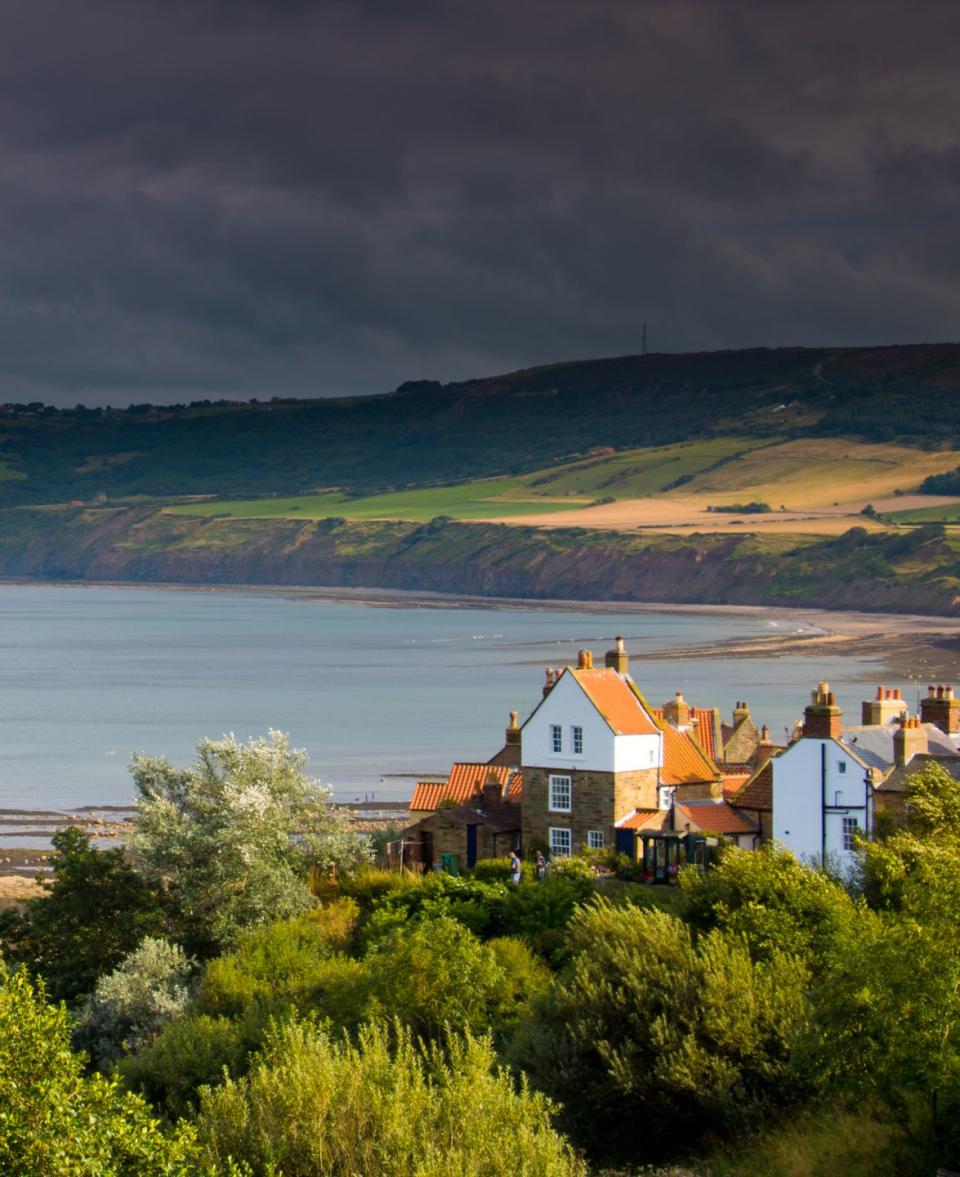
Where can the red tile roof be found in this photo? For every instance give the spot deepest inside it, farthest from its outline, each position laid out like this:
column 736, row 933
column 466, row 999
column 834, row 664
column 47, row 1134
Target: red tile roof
column 733, row 782
column 616, row 701
column 705, row 732
column 684, row 761
column 642, row 819
column 465, row 781
column 715, row 817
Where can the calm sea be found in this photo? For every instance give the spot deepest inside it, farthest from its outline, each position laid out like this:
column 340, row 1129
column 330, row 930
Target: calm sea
column 89, row 676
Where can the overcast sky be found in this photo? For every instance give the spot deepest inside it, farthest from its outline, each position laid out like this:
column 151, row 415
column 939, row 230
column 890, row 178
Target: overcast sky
column 297, row 197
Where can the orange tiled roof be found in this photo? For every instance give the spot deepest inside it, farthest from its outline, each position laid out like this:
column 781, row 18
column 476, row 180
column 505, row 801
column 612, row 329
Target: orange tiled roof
column 465, row 781
column 619, row 705
column 733, row 782
column 716, row 817
column 642, row 819
column 757, row 793
column 684, row 761
column 704, row 733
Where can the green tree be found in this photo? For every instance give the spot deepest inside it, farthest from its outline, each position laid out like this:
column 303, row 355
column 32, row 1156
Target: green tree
column 314, row 1104
column 232, row 839
column 653, row 1027
column 128, row 1007
column 96, row 910
column 54, row 1122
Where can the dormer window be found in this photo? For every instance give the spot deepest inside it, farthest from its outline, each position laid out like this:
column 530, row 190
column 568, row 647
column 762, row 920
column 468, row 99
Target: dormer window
column 556, row 737
column 577, row 734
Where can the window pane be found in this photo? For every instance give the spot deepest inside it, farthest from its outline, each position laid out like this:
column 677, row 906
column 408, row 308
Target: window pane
column 556, row 737
column 578, row 741
column 560, row 843
column 595, row 839
column 560, row 793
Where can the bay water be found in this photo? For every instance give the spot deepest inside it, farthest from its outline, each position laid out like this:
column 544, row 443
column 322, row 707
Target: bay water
column 91, row 675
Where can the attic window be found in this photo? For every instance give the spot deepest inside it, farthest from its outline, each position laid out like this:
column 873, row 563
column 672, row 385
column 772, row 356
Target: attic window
column 841, row 767
column 578, row 741
column 556, row 737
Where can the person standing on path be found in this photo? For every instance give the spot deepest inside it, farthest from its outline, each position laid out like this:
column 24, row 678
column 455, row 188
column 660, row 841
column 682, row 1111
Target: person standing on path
column 516, row 868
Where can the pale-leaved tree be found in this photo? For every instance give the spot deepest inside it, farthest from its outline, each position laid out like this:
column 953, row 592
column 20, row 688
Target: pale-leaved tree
column 232, row 838
column 150, row 987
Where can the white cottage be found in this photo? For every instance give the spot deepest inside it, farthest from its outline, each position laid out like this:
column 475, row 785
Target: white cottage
column 823, row 790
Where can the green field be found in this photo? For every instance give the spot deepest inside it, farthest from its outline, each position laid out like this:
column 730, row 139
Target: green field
column 632, row 474
column 637, row 474
column 471, row 500
column 948, row 513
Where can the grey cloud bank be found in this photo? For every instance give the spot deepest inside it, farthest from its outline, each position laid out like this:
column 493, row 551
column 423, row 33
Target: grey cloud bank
column 258, row 199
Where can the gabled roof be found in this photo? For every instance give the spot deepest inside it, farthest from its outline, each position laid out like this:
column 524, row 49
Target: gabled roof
column 897, row 781
column 705, row 731
column 757, row 793
column 874, row 742
column 465, row 781
column 616, row 700
column 716, row 817
column 684, row 761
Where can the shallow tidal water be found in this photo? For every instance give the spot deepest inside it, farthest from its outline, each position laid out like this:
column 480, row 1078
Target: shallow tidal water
column 90, row 675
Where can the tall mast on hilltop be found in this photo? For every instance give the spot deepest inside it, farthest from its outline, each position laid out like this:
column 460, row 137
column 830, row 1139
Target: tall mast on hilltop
column 643, row 342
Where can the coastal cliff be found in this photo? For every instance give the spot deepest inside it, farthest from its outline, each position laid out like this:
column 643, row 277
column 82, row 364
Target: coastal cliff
column 916, row 572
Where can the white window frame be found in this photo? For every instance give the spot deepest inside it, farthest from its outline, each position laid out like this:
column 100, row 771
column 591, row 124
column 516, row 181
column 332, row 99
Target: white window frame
column 565, row 837
column 576, row 738
column 565, row 782
column 849, row 828
column 556, row 738
column 594, row 839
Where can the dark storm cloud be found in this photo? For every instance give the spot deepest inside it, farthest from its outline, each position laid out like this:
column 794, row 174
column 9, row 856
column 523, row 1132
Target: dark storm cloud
column 261, row 198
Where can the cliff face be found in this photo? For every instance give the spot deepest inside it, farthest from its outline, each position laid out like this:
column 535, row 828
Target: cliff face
column 147, row 545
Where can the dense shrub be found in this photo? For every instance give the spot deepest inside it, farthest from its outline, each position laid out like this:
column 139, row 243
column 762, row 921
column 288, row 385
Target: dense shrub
column 498, row 870
column 128, row 1007
column 435, row 974
column 314, row 1104
column 285, row 962
column 188, row 1054
column 56, row 1123
column 652, row 1027
column 774, row 902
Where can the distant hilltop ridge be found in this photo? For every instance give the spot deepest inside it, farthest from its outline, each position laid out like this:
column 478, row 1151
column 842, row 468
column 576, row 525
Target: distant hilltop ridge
column 426, row 432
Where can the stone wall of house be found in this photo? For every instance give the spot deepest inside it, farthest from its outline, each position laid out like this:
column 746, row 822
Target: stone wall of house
column 598, row 799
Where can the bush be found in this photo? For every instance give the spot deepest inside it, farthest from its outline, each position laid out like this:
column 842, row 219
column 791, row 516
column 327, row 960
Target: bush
column 56, row 1123
column 129, row 1006
column 315, row 1104
column 186, row 1055
column 497, row 870
column 434, row 974
column 652, row 1027
column 774, row 902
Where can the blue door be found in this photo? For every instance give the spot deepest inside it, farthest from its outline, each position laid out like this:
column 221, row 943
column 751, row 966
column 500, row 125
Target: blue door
column 471, row 847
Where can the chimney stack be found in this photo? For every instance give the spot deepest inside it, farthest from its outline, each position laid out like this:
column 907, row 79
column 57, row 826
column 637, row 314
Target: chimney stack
column 885, row 708
column 941, row 709
column 550, row 679
column 741, row 712
column 513, row 730
column 909, row 740
column 584, row 660
column 765, row 747
column 677, row 711
column 618, row 659
column 492, row 792
column 822, row 717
